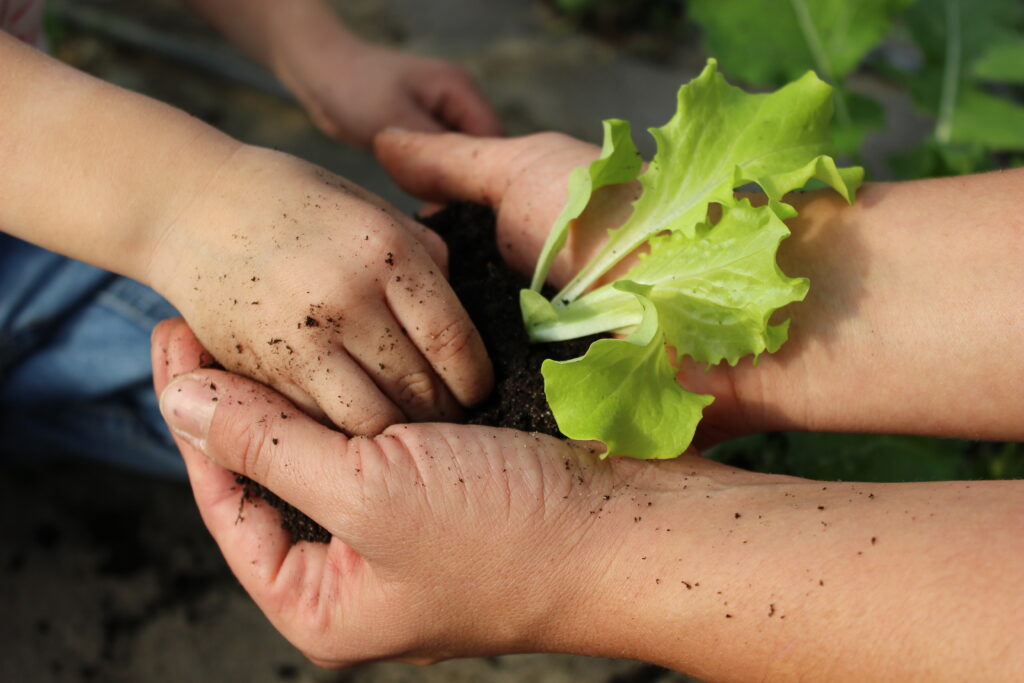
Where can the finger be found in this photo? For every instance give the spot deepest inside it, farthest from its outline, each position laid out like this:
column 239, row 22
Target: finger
column 412, row 115
column 433, row 318
column 381, row 345
column 462, row 107
column 445, row 167
column 257, row 552
column 431, row 241
column 345, row 393
column 250, row 429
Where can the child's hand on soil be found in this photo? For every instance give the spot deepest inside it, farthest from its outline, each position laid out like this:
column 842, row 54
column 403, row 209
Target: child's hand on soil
column 302, row 280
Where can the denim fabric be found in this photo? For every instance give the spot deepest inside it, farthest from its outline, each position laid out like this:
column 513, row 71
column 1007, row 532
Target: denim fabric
column 75, row 375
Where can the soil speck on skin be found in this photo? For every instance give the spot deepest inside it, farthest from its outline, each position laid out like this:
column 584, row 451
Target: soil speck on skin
column 489, row 291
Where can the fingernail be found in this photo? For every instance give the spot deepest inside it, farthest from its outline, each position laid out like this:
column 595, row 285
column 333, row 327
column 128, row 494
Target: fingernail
column 188, row 404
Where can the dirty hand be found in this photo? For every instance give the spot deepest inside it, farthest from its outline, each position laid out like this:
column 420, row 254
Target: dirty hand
column 298, row 278
column 353, row 89
column 455, row 541
column 448, row 540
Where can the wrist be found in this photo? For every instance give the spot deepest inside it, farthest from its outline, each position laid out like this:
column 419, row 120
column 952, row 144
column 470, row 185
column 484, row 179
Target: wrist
column 186, row 223
column 301, row 38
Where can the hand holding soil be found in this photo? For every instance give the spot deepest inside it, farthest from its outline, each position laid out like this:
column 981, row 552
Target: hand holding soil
column 871, row 348
column 458, row 541
column 297, row 278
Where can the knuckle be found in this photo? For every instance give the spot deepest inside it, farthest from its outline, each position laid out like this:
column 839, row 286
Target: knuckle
column 250, row 441
column 417, row 389
column 373, row 423
column 450, row 341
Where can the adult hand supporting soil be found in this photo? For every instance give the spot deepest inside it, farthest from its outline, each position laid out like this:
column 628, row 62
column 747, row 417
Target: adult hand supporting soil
column 455, row 541
column 914, row 316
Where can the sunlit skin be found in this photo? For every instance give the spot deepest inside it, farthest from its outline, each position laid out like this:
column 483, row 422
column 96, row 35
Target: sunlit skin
column 455, row 541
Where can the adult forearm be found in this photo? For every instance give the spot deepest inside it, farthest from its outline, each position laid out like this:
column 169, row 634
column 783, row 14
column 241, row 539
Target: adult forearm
column 735, row 576
column 91, row 170
column 914, row 318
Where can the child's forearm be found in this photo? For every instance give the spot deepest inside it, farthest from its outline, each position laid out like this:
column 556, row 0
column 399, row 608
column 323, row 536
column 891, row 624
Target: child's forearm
column 271, row 31
column 91, row 170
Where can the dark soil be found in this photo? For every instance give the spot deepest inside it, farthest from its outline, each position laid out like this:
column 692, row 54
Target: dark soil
column 489, row 291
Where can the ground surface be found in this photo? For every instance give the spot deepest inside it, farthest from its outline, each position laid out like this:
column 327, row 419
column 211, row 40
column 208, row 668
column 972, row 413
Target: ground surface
column 131, row 588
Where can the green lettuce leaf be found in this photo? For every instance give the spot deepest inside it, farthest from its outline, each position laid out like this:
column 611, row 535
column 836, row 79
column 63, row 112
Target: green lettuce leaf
column 619, row 163
column 623, row 392
column 767, row 43
column 714, row 292
column 719, row 139
column 707, row 288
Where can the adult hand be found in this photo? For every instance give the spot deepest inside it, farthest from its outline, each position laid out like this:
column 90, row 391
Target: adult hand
column 304, row 281
column 448, row 540
column 456, row 541
column 910, row 311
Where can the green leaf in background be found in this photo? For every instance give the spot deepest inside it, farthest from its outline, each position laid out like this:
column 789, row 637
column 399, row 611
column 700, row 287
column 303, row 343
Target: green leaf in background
column 719, row 139
column 963, row 43
column 866, row 115
column 979, row 25
column 623, row 392
column 767, row 42
column 1001, row 63
column 989, row 121
column 872, row 457
column 619, row 163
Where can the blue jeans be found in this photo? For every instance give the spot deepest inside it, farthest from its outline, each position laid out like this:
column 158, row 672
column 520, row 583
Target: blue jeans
column 75, row 375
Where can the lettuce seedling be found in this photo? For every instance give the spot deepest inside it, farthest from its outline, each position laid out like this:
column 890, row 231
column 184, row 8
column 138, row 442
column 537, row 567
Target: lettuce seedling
column 706, row 288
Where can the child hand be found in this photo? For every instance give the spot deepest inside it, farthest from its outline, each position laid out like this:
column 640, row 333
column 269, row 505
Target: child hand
column 304, row 281
column 352, row 90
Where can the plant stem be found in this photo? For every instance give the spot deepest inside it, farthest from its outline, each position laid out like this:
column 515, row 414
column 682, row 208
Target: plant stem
column 821, row 60
column 950, row 74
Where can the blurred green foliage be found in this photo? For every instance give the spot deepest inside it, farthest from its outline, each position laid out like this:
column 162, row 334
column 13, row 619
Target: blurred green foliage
column 872, row 457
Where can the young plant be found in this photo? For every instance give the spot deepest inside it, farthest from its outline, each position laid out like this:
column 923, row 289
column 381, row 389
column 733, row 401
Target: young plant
column 707, row 289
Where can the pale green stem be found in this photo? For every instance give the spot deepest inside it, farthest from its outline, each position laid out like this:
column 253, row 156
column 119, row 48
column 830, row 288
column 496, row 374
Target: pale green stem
column 950, row 74
column 821, row 60
column 605, row 309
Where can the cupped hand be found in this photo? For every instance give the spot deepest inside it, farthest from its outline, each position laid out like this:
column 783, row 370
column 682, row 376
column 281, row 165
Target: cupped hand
column 525, row 181
column 301, row 280
column 448, row 540
column 353, row 89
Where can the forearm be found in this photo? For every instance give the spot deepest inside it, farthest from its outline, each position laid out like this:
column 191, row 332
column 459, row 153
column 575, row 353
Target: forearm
column 735, row 576
column 914, row 319
column 91, row 170
column 276, row 33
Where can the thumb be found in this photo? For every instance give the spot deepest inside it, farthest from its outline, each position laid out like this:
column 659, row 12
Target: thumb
column 447, row 166
column 249, row 429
